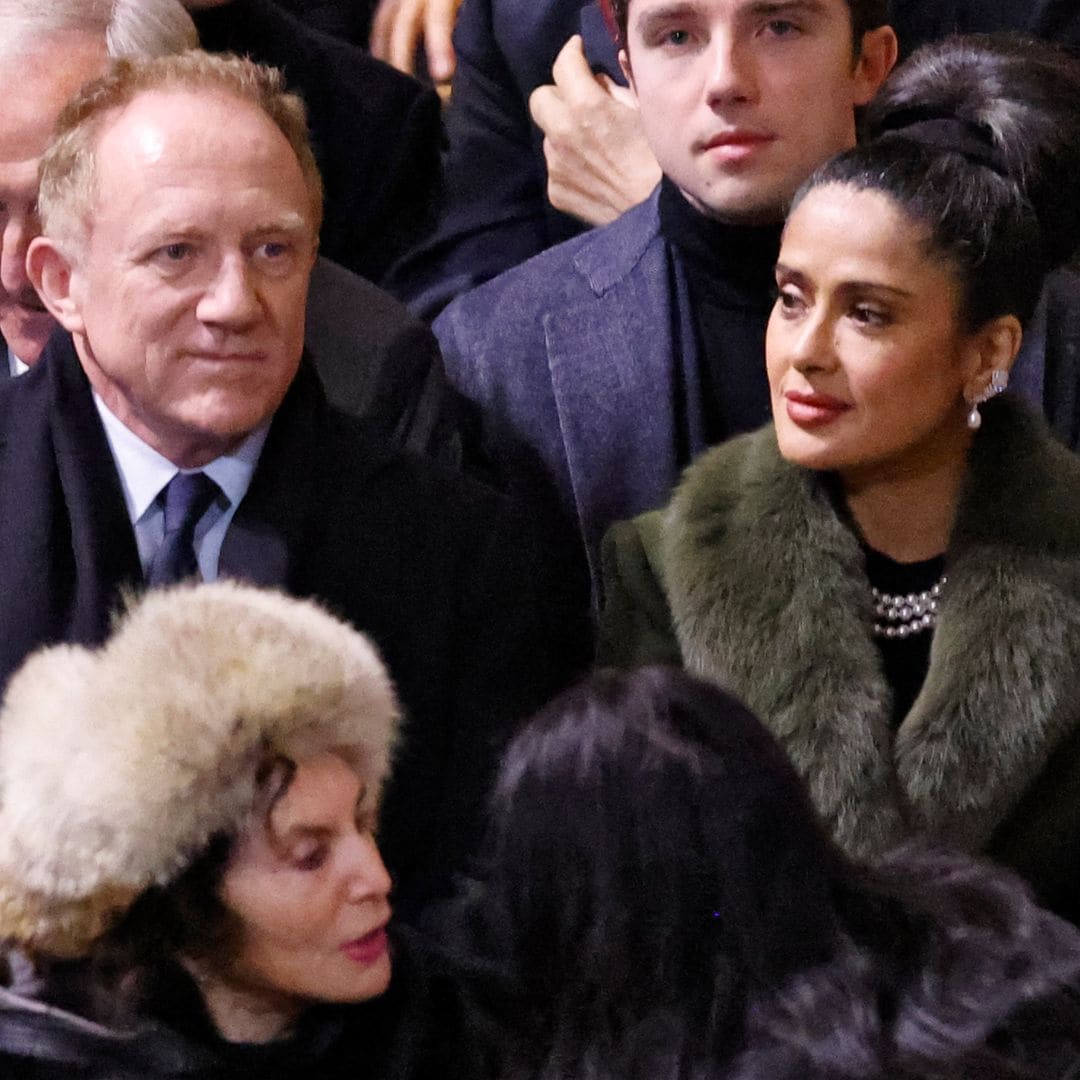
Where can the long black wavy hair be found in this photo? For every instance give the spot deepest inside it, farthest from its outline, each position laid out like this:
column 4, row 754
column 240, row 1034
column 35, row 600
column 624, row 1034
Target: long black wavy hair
column 657, row 900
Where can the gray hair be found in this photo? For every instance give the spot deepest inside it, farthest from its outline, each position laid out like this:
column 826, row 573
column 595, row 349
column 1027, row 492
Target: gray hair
column 136, row 28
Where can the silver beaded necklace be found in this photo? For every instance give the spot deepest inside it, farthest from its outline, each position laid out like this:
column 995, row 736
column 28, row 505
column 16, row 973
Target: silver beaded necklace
column 901, row 616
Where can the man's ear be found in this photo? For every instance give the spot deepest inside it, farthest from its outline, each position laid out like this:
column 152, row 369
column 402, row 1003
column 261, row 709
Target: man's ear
column 52, row 274
column 993, row 347
column 624, row 63
column 877, row 57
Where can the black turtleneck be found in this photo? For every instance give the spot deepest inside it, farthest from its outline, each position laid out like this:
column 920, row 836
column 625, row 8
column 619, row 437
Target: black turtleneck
column 729, row 271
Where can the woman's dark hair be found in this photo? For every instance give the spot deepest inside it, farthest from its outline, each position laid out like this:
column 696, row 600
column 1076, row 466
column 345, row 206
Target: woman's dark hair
column 185, row 918
column 656, row 899
column 978, row 139
column 653, row 862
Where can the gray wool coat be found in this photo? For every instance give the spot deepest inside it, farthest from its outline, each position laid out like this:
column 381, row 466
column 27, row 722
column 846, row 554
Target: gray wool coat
column 751, row 579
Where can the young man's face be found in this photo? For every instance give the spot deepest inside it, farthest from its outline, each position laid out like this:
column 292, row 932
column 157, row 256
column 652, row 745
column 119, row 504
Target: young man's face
column 742, row 99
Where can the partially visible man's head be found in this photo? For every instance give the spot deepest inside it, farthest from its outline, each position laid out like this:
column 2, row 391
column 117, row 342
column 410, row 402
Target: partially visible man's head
column 142, row 28
column 48, row 48
column 180, row 204
column 741, row 100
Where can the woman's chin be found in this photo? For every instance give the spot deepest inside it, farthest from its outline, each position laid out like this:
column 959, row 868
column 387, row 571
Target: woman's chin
column 361, row 983
column 808, row 450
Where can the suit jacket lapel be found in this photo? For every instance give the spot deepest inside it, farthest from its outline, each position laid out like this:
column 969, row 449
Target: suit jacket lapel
column 102, row 539
column 67, row 544
column 613, row 372
column 267, row 534
column 34, row 539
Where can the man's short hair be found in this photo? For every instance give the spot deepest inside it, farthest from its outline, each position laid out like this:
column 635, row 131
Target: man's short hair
column 865, row 15
column 68, row 174
column 141, row 28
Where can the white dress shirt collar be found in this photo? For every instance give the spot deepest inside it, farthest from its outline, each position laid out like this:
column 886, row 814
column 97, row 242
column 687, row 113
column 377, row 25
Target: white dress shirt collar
column 15, row 365
column 144, row 472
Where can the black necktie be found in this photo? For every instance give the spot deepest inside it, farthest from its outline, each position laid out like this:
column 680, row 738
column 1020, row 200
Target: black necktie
column 187, row 497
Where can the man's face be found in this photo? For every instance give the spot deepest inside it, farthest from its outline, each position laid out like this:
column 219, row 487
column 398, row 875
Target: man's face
column 742, row 99
column 36, row 85
column 186, row 300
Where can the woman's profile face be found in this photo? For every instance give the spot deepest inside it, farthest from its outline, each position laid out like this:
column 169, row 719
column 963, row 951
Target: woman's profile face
column 311, row 892
column 866, row 357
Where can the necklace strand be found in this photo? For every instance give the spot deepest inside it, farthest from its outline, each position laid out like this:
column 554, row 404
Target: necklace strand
column 900, row 615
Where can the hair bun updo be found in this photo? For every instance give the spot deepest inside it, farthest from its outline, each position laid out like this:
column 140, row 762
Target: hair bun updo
column 1022, row 95
column 977, row 139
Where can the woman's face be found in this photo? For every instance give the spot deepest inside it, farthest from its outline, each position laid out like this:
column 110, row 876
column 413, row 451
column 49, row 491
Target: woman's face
column 866, row 357
column 311, row 892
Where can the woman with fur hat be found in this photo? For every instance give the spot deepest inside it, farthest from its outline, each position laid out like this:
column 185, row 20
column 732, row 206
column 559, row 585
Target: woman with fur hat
column 187, row 870
column 890, row 573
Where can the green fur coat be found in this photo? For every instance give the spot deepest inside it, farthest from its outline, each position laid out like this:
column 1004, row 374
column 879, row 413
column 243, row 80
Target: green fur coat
column 750, row 578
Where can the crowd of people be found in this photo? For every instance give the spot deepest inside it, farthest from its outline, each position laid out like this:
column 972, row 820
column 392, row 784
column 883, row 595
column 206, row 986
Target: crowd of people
column 716, row 351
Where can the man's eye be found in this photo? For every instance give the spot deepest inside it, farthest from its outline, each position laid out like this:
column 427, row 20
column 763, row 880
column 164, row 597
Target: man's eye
column 678, row 37
column 272, row 249
column 176, row 252
column 781, row 27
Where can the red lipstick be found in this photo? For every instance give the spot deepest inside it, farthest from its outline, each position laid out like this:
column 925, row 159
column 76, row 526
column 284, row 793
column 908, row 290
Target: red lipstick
column 367, row 949
column 814, row 409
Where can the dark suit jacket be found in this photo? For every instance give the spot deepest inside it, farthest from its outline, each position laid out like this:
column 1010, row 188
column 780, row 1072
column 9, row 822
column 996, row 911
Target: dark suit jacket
column 570, row 364
column 377, row 360
column 348, row 19
column 496, row 213
column 581, row 373
column 477, row 622
column 376, row 133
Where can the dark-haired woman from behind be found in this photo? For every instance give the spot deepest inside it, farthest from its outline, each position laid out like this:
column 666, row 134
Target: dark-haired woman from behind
column 889, row 574
column 657, row 901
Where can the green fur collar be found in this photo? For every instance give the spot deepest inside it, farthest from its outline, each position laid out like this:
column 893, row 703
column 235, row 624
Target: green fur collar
column 769, row 596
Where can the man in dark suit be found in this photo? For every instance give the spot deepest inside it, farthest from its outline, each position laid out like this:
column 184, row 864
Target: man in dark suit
column 601, row 367
column 176, row 430
column 375, row 359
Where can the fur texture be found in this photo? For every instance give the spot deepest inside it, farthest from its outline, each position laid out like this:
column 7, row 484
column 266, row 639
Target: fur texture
column 117, row 765
column 985, row 951
column 768, row 596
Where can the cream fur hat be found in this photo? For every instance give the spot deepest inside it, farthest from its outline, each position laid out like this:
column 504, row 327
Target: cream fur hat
column 117, row 765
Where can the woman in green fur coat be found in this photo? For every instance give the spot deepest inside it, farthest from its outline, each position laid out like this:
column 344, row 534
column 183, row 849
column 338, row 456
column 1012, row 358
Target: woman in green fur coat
column 888, row 575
